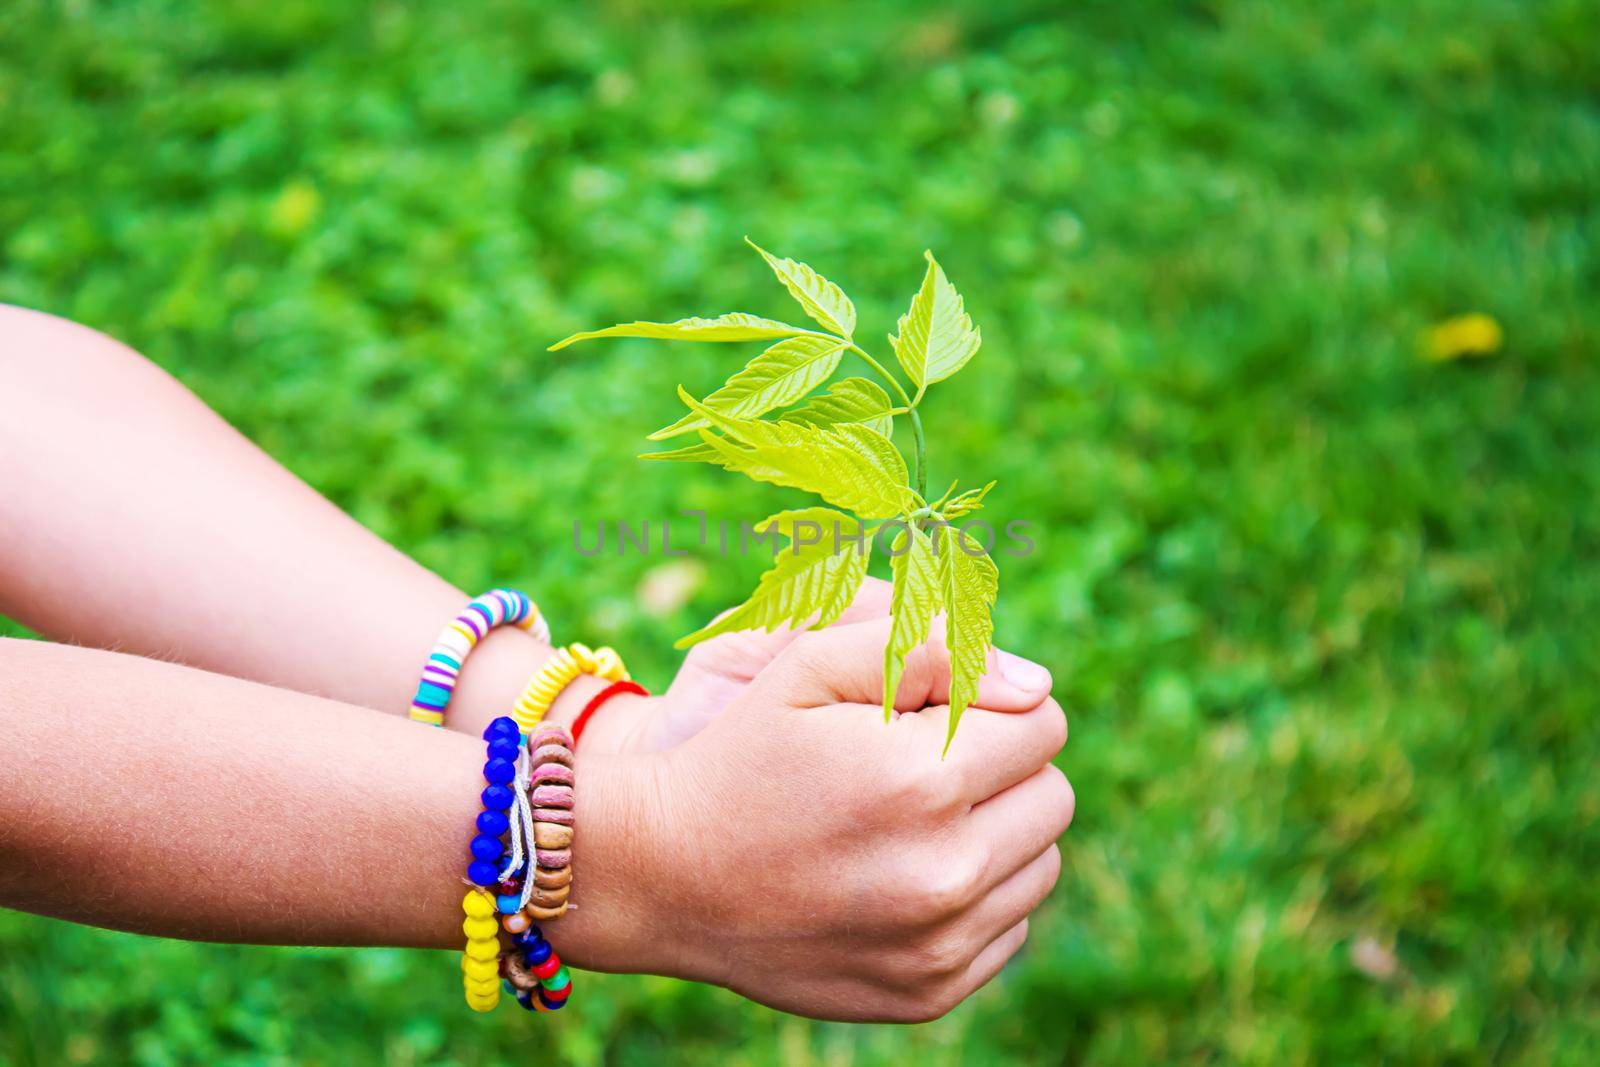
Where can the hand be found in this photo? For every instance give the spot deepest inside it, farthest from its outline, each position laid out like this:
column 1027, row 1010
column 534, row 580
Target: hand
column 716, row 672
column 821, row 861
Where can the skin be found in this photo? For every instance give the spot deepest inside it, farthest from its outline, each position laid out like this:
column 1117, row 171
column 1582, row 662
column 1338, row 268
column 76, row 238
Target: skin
column 113, row 534
column 147, row 796
column 153, row 781
column 870, row 880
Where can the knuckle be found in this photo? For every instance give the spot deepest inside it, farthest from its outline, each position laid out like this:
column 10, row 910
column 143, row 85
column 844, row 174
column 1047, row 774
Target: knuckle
column 930, row 959
column 945, row 954
column 934, row 1002
column 921, row 790
column 950, row 885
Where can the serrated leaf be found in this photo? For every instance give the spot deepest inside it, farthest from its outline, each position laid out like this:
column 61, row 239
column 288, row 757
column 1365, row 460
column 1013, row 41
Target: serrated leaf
column 734, row 326
column 913, row 600
column 781, row 375
column 936, row 335
column 966, row 503
column 851, row 400
column 822, row 300
column 809, row 584
column 850, row 466
column 970, row 583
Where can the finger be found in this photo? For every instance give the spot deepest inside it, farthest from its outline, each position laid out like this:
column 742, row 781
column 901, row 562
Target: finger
column 847, row 666
column 994, row 957
column 739, row 656
column 992, row 751
column 1023, row 821
column 1014, row 899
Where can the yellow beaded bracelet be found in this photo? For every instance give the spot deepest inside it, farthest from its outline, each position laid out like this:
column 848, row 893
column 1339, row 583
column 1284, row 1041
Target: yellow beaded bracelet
column 480, row 963
column 557, row 673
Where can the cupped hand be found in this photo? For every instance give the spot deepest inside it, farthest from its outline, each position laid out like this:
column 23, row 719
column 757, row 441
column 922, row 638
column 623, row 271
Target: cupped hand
column 822, row 861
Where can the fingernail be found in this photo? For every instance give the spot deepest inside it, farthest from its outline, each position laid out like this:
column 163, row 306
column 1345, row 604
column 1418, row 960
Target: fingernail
column 1024, row 673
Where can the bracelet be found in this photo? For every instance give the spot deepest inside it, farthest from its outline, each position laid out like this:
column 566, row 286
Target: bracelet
column 534, row 973
column 480, row 960
column 599, row 699
column 528, row 794
column 557, row 673
column 457, row 640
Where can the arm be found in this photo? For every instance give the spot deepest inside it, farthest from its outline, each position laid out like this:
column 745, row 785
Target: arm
column 798, row 850
column 145, row 796
column 134, row 518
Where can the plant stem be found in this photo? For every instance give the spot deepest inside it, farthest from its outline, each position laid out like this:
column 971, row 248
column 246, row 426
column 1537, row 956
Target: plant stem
column 894, row 383
column 921, row 454
column 920, row 447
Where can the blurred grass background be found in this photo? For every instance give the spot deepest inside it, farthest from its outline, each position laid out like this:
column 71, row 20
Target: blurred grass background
column 1325, row 614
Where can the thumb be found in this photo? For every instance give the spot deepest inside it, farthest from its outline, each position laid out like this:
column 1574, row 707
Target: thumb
column 844, row 664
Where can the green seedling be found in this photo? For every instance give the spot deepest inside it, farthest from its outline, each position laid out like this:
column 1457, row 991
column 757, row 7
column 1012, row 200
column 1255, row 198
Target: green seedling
column 770, row 422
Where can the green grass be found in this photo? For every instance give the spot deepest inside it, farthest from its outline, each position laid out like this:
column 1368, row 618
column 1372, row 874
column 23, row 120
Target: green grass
column 1325, row 616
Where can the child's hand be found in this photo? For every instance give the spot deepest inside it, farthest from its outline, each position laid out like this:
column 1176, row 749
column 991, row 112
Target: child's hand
column 806, row 854
column 717, row 671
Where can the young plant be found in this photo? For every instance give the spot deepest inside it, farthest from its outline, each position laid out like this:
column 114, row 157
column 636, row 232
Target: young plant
column 769, row 422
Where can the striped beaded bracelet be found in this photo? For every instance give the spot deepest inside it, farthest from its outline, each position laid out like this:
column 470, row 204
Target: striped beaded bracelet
column 460, row 636
column 557, row 673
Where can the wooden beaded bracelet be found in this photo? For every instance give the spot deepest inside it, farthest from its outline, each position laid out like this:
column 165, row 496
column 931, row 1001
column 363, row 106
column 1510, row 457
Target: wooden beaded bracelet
column 557, row 673
column 460, row 636
column 534, row 972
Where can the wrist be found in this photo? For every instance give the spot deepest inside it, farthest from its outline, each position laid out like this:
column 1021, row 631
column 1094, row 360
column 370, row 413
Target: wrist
column 500, row 669
column 493, row 678
column 624, row 905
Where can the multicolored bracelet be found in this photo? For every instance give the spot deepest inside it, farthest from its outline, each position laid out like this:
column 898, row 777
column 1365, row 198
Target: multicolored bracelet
column 599, row 700
column 528, row 795
column 456, row 641
column 480, row 961
column 557, row 673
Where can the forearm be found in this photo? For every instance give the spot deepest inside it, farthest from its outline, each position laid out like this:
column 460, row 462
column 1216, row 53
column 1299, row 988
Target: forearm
column 135, row 518
column 146, row 796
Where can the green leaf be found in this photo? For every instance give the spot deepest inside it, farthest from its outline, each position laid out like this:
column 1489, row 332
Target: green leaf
column 914, row 598
column 850, row 466
column 810, row 584
column 936, row 335
column 719, row 452
column 734, row 326
column 851, row 400
column 781, row 375
column 970, row 583
column 696, row 453
column 822, row 300
column 966, row 503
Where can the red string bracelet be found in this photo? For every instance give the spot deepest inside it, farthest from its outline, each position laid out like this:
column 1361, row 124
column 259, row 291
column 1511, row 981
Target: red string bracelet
column 600, row 698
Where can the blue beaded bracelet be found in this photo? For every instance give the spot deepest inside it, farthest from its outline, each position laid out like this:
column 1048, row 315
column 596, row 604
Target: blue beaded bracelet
column 482, row 961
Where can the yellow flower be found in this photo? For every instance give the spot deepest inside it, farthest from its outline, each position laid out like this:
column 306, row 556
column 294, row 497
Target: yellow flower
column 1475, row 335
column 294, row 209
